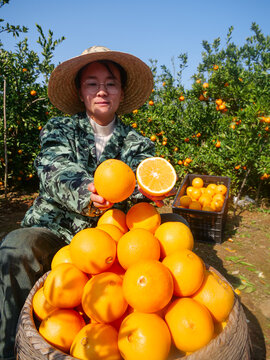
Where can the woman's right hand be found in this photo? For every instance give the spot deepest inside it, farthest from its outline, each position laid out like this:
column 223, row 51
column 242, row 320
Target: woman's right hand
column 98, row 201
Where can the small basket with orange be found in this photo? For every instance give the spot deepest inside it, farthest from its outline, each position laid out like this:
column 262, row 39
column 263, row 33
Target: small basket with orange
column 203, row 201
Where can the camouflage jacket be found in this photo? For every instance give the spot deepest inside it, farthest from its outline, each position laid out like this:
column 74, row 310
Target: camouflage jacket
column 65, row 166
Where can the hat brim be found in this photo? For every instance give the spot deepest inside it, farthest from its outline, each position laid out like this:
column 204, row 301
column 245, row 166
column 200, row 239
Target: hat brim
column 63, row 93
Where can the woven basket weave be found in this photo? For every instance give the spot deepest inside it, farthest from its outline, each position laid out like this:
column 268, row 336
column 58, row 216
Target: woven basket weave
column 232, row 344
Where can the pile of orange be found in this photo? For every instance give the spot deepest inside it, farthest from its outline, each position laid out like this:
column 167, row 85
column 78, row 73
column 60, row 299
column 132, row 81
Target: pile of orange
column 131, row 288
column 201, row 197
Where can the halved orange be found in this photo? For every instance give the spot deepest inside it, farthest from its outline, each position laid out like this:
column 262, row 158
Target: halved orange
column 156, row 176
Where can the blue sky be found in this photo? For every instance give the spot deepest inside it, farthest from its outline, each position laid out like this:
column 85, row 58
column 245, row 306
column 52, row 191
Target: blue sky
column 152, row 29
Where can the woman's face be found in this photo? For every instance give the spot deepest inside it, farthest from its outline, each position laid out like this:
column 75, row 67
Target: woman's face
column 101, row 91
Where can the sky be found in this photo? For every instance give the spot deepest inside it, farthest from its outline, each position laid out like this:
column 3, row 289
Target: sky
column 149, row 29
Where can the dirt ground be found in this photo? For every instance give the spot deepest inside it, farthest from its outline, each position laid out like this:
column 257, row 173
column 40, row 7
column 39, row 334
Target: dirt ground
column 243, row 258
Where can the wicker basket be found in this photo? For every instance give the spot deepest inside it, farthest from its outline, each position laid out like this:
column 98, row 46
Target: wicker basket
column 232, row 344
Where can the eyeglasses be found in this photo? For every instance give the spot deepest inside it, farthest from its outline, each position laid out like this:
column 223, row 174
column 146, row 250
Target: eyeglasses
column 111, row 86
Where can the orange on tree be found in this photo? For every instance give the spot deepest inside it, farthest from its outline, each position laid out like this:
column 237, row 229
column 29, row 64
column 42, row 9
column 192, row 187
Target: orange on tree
column 96, row 342
column 64, row 285
column 60, row 328
column 181, row 98
column 92, row 250
column 197, row 182
column 156, row 176
column 112, row 230
column 143, row 215
column 205, row 85
column 114, row 180
column 151, row 102
column 174, row 236
column 41, row 306
column 145, row 337
column 187, row 270
column 33, row 93
column 62, row 256
column 115, row 217
column 190, row 324
column 218, row 144
column 103, row 298
column 137, row 244
column 148, row 286
column 185, row 200
column 217, row 295
column 153, row 138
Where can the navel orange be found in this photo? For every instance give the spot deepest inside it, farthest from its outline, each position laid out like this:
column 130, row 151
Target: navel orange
column 62, row 256
column 156, row 176
column 41, row 306
column 137, row 244
column 148, row 286
column 96, row 342
column 145, row 337
column 112, row 230
column 217, row 295
column 187, row 270
column 115, row 217
column 103, row 298
column 190, row 324
column 114, row 180
column 174, row 236
column 60, row 327
column 143, row 215
column 64, row 286
column 92, row 250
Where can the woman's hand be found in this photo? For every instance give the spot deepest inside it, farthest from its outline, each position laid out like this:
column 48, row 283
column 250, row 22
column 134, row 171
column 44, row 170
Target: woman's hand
column 98, row 201
column 158, row 200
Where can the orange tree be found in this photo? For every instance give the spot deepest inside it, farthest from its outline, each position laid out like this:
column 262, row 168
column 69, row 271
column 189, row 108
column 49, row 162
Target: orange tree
column 27, row 106
column 220, row 126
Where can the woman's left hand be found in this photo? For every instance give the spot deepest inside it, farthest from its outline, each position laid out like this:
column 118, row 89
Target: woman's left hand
column 158, row 200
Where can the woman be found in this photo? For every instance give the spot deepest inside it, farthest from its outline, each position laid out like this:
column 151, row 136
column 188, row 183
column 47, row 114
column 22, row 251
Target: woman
column 94, row 88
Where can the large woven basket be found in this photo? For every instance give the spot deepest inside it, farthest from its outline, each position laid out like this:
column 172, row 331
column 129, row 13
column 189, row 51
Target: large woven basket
column 232, row 344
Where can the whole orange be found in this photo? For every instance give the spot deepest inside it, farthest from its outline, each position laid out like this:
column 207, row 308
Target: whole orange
column 187, row 270
column 197, row 182
column 143, row 215
column 174, row 236
column 217, row 295
column 190, row 324
column 62, row 256
column 41, row 306
column 205, row 200
column 195, row 205
column 60, row 328
column 112, row 230
column 115, row 217
column 92, row 250
column 185, row 201
column 137, row 244
column 196, row 193
column 145, row 337
column 103, row 298
column 96, row 342
column 221, row 189
column 148, row 286
column 114, row 180
column 64, row 285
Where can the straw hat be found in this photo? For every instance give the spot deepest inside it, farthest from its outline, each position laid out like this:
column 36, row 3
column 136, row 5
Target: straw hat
column 63, row 93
